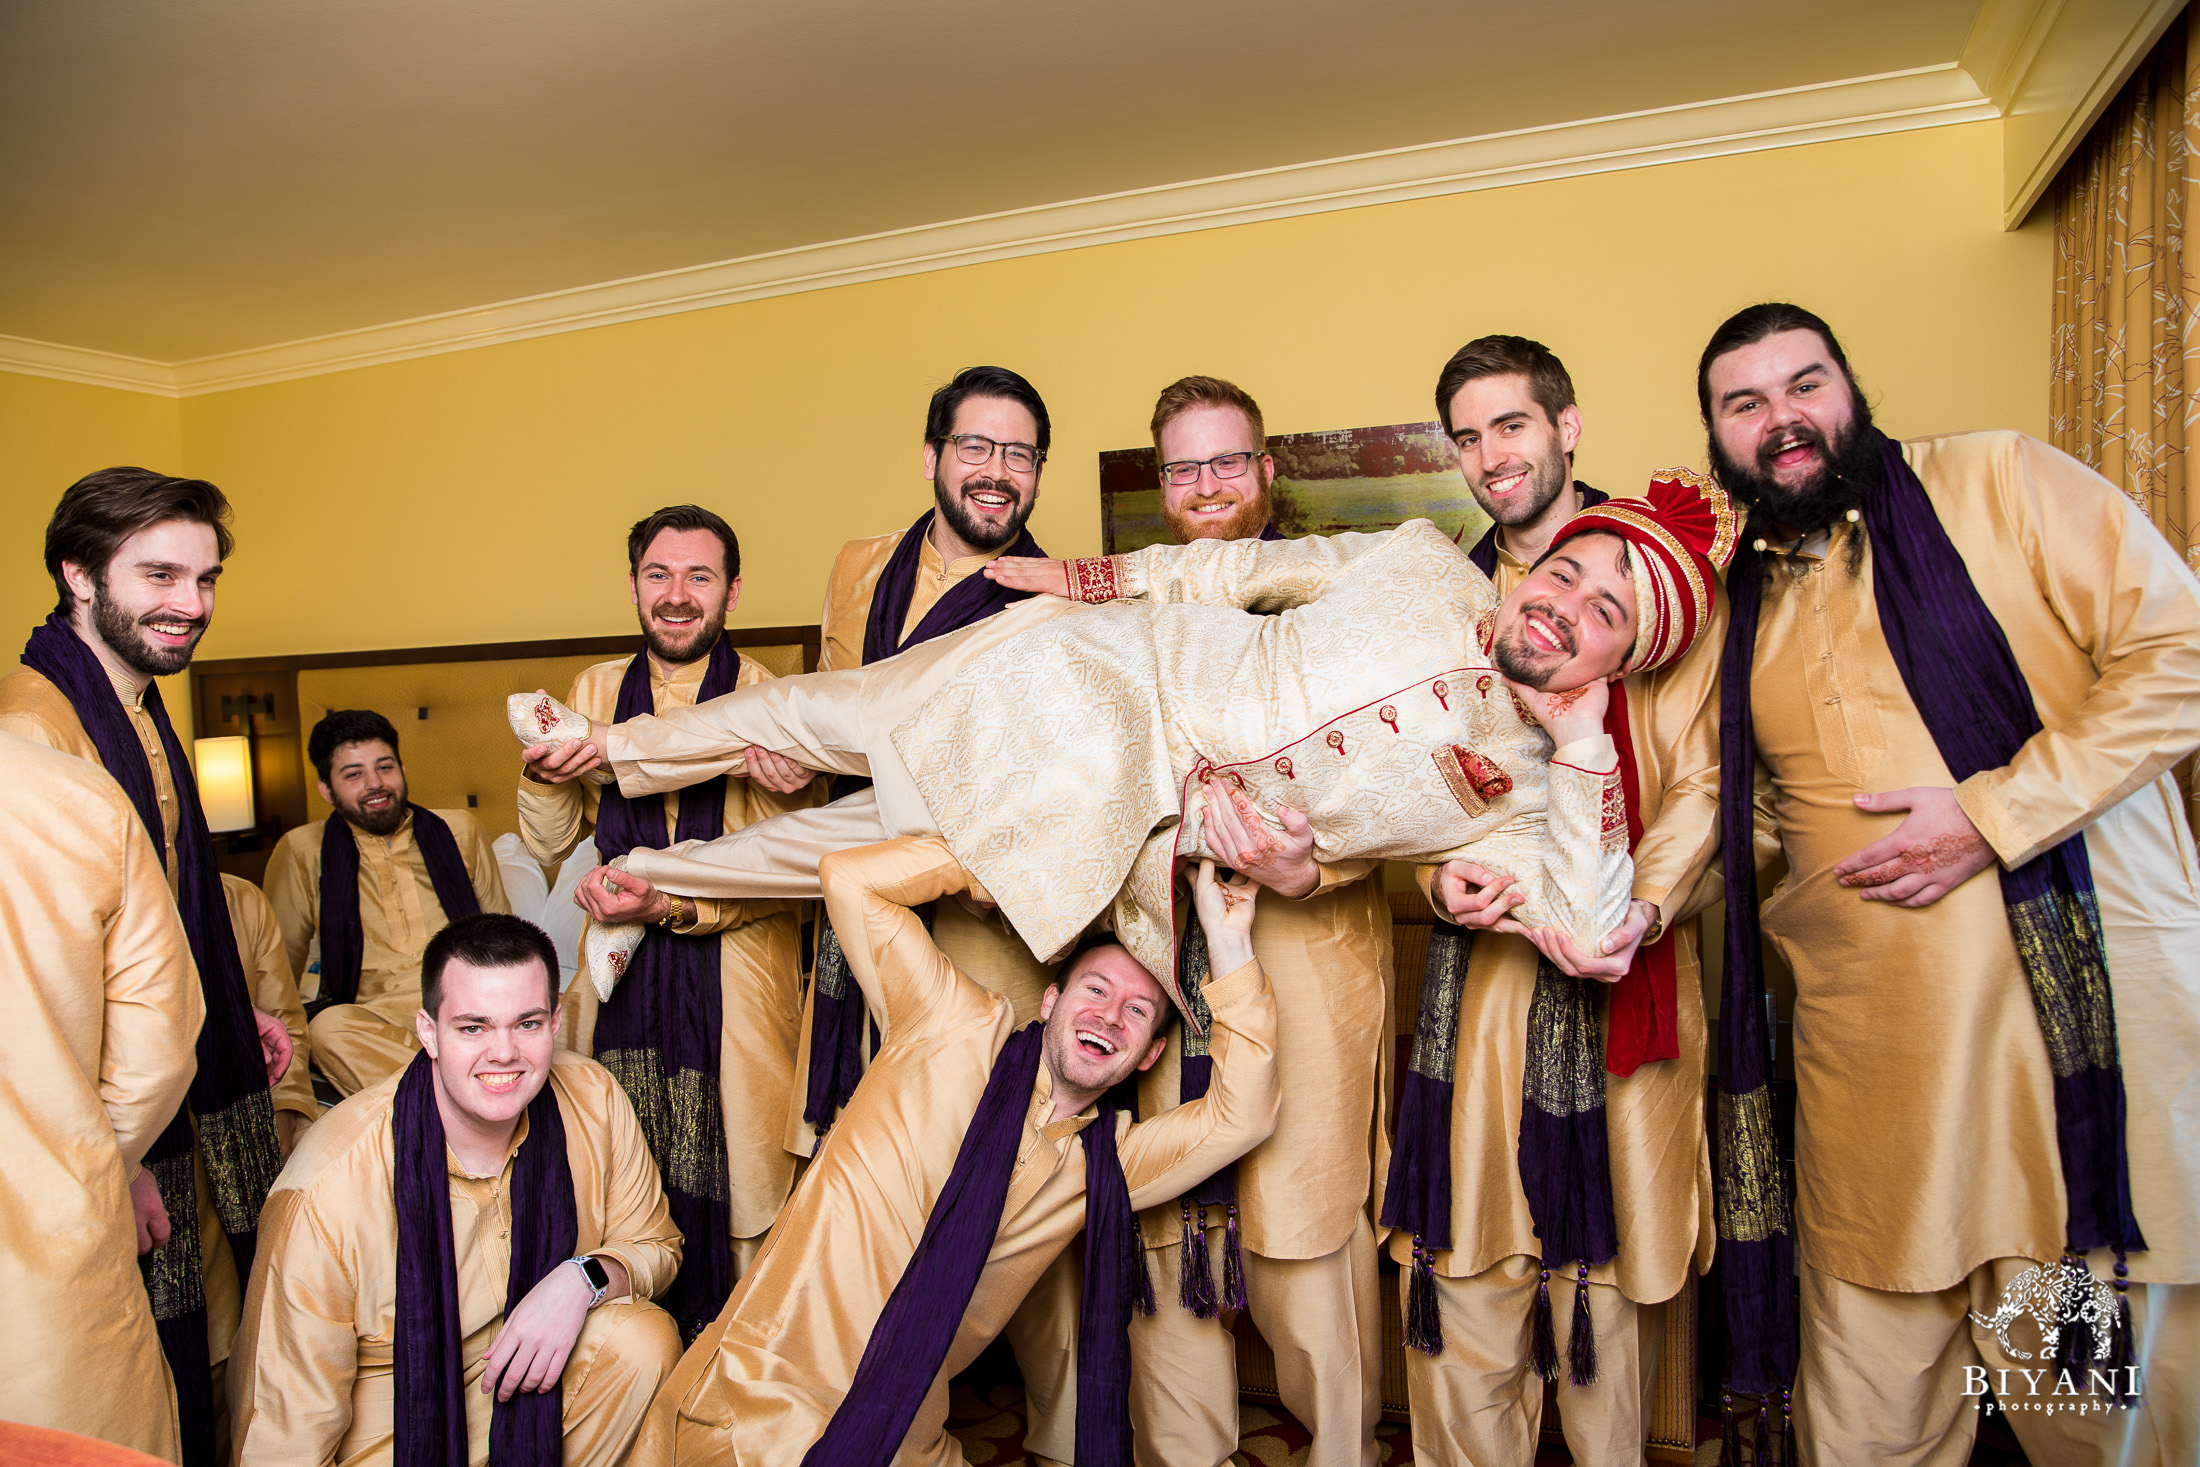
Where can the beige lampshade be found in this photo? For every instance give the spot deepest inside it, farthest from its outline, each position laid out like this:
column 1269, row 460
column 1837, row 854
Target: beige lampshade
column 225, row 782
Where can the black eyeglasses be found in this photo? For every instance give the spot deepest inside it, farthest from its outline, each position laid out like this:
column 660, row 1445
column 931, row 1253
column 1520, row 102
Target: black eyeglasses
column 976, row 448
column 1224, row 466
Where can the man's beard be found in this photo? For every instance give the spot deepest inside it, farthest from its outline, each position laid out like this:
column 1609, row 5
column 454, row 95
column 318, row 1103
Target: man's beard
column 1248, row 519
column 126, row 641
column 376, row 822
column 1849, row 470
column 968, row 528
column 679, row 649
column 1547, row 477
column 1521, row 663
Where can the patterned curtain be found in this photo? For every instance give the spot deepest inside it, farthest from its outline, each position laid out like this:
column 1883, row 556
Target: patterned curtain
column 2125, row 394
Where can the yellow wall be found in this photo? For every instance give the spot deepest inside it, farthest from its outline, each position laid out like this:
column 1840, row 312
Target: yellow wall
column 483, row 495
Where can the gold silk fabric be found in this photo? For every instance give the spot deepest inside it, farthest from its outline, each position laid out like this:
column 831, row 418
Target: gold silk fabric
column 759, row 948
column 104, row 1009
column 30, row 705
column 313, row 1376
column 267, row 973
column 760, row 1385
column 398, row 910
column 2126, row 368
column 1352, row 703
column 1925, row 1133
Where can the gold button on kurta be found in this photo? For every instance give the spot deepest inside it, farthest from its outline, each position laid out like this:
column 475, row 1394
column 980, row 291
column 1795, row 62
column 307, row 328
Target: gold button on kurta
column 1925, row 1106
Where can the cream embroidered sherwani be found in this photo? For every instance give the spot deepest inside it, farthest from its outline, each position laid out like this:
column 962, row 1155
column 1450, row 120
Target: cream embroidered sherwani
column 759, row 955
column 760, row 1385
column 267, row 973
column 1481, row 1400
column 1054, row 749
column 104, row 1008
column 315, row 1381
column 1925, row 1130
column 360, row 1043
column 30, row 705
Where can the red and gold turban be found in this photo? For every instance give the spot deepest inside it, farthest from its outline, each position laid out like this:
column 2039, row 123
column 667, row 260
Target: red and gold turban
column 1682, row 532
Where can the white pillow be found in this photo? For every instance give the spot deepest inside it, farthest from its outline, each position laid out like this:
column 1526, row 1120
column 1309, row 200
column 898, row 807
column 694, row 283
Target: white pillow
column 560, row 917
column 524, row 885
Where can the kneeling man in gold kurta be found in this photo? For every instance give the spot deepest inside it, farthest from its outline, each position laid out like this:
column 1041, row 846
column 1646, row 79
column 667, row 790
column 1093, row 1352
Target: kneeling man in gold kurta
column 374, row 881
column 1963, row 667
column 838, row 1344
column 486, row 1221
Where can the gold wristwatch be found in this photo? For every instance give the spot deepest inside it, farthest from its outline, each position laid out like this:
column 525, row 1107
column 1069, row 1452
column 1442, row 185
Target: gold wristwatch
column 675, row 913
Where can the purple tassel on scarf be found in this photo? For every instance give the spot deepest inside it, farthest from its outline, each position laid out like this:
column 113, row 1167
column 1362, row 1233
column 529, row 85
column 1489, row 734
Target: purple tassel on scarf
column 1233, row 1265
column 1195, row 1288
column 1543, row 1329
column 1581, row 1340
column 1424, row 1321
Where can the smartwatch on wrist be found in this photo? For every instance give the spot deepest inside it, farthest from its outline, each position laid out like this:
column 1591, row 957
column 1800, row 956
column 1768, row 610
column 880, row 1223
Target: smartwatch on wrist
column 599, row 1278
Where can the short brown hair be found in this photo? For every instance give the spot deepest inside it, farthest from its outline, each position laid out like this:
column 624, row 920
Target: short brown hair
column 1186, row 393
column 100, row 511
column 1506, row 356
column 682, row 517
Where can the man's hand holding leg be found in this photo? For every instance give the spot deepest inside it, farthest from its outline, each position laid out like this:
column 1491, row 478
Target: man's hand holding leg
column 530, row 1352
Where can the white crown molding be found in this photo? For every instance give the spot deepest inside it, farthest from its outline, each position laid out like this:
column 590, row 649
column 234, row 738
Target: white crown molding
column 78, row 364
column 1900, row 101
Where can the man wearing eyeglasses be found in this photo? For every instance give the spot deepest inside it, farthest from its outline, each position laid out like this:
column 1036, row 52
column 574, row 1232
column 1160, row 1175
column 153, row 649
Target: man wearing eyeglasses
column 1295, row 1209
column 985, row 443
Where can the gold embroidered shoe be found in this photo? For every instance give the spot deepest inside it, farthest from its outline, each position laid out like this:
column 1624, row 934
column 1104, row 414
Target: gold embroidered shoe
column 606, row 950
column 538, row 718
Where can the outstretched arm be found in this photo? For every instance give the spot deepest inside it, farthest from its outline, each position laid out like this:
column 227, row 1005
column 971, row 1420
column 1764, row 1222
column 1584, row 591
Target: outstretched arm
column 1163, row 1156
column 870, row 894
column 1253, row 575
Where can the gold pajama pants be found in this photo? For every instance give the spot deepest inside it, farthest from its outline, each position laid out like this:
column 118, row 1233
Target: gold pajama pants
column 1480, row 1403
column 1319, row 1316
column 1893, row 1379
column 1043, row 1335
column 355, row 1046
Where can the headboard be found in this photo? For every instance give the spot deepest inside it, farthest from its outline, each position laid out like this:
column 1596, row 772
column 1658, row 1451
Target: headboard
column 447, row 704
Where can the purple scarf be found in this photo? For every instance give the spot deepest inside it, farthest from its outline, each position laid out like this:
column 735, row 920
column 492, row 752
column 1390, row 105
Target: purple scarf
column 916, row 1329
column 430, row 1418
column 837, row 1012
column 343, row 942
column 659, row 1033
column 1563, row 1152
column 229, row 1097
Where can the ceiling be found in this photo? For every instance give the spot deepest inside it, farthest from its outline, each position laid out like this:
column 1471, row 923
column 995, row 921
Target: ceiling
column 184, row 178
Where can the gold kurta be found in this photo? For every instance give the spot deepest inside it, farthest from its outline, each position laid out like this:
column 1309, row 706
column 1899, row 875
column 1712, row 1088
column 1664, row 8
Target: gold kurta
column 759, row 950
column 760, row 1385
column 104, row 1009
column 1660, row 1161
column 313, row 1381
column 267, row 972
column 1925, row 1109
column 32, row 706
column 398, row 910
